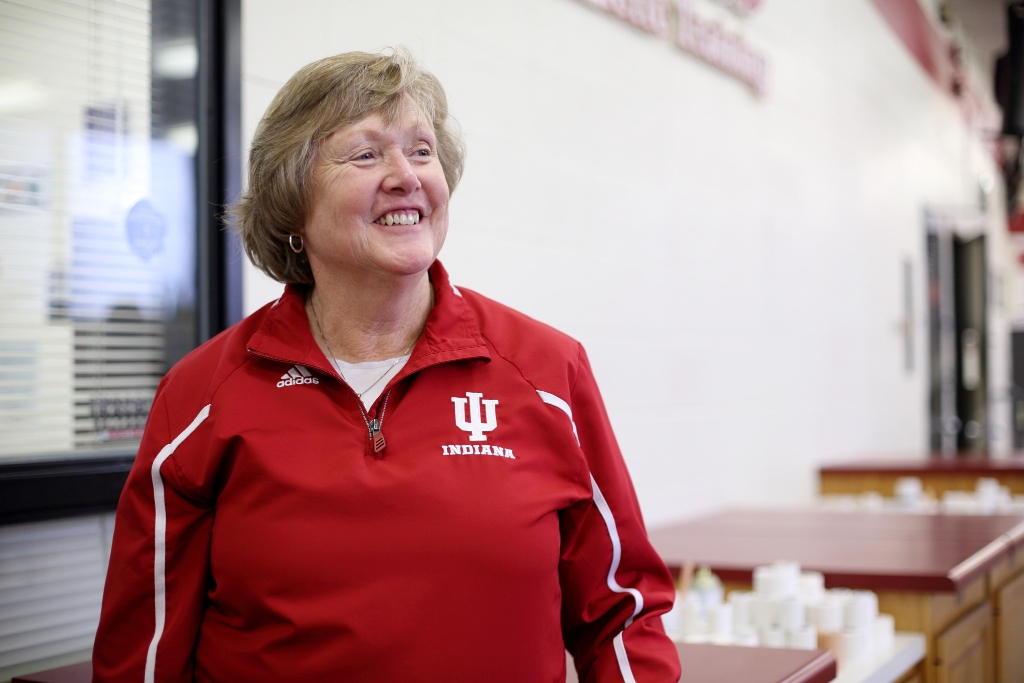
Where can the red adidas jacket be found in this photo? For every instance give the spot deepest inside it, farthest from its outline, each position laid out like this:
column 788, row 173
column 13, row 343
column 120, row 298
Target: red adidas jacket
column 257, row 541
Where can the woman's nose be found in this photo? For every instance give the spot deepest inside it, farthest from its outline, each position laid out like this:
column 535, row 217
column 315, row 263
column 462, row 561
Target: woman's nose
column 401, row 176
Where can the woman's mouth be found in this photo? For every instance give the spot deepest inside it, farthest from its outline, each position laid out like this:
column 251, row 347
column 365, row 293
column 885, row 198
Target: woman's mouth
column 399, row 218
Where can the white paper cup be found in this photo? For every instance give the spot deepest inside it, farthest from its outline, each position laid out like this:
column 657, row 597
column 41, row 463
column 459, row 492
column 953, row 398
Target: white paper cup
column 720, row 621
column 885, row 634
column 791, row 614
column 804, row 639
column 773, row 637
column 861, row 610
column 742, row 616
column 826, row 616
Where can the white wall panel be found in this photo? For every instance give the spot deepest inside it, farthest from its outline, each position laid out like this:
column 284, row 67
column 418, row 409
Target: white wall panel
column 732, row 264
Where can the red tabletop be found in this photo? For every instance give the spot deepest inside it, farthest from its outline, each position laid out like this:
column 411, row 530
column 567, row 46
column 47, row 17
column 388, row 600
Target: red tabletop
column 728, row 664
column 981, row 467
column 701, row 664
column 76, row 673
column 734, row 664
column 872, row 550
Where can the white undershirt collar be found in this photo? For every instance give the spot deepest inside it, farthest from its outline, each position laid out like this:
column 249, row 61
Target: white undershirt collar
column 360, row 376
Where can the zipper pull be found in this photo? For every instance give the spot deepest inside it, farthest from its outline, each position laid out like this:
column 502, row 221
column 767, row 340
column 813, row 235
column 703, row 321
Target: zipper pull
column 376, row 443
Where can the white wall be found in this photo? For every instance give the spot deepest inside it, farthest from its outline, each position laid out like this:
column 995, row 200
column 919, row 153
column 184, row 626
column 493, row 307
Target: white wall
column 732, row 264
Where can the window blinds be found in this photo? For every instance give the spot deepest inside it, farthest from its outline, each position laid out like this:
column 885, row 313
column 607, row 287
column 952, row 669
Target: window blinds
column 96, row 222
column 51, row 584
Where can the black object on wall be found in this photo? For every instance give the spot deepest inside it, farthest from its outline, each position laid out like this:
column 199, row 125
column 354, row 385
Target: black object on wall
column 1009, row 73
column 1009, row 91
column 971, row 281
column 958, row 324
column 1017, row 341
column 65, row 484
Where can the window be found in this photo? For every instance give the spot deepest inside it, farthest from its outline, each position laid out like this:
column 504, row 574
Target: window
column 113, row 260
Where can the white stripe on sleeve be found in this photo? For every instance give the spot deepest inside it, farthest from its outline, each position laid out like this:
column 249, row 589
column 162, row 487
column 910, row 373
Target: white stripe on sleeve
column 620, row 656
column 160, row 542
column 553, row 400
column 613, row 535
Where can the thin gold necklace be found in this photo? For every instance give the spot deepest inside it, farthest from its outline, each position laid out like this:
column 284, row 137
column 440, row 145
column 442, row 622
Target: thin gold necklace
column 376, row 444
column 334, row 360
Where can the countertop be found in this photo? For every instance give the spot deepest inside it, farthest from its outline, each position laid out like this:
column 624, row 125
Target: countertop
column 869, row 550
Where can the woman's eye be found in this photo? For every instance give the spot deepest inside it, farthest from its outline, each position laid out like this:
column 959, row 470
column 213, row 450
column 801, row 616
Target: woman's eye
column 365, row 156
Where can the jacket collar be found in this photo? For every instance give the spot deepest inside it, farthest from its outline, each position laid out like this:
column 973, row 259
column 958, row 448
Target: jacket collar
column 451, row 333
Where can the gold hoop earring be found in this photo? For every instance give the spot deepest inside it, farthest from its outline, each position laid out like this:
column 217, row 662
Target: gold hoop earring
column 291, row 243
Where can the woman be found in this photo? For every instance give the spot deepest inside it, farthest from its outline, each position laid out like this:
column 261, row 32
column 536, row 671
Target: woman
column 377, row 477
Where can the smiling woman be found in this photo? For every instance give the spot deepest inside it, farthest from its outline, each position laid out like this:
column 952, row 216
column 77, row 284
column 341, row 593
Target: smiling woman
column 268, row 531
column 380, row 198
column 378, row 220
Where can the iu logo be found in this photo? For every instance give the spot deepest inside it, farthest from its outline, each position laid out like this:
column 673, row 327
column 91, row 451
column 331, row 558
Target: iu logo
column 475, row 426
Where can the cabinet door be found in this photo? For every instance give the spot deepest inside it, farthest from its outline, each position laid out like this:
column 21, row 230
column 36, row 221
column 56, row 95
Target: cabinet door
column 964, row 651
column 1009, row 621
column 913, row 676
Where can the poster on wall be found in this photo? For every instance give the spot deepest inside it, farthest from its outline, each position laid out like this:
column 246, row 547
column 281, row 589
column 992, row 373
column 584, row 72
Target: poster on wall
column 712, row 31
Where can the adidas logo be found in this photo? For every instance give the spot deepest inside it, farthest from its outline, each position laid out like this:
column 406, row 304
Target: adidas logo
column 297, row 374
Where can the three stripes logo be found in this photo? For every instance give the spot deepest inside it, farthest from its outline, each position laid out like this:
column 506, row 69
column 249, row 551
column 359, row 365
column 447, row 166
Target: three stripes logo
column 297, row 374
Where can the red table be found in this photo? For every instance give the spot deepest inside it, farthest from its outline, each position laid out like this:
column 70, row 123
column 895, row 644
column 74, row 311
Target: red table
column 701, row 664
column 880, row 552
column 76, row 673
column 733, row 664
column 956, row 579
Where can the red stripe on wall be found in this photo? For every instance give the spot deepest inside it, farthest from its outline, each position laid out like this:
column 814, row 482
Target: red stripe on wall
column 934, row 52
column 909, row 21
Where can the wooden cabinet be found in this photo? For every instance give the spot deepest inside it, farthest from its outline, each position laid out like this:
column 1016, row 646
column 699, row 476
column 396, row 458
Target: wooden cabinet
column 938, row 475
column 1008, row 612
column 963, row 652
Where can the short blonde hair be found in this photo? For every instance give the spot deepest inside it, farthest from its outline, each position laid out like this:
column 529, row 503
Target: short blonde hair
column 321, row 98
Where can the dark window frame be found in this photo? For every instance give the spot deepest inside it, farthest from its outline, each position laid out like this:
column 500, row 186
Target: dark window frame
column 70, row 484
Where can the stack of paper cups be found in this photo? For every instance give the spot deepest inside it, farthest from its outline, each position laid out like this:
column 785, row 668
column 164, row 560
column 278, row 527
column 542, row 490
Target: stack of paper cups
column 762, row 611
column 861, row 610
column 689, row 619
column 859, row 645
column 720, row 623
column 834, row 643
column 909, row 492
column 885, row 634
column 670, row 620
column 745, row 636
column 741, row 610
column 769, row 582
column 791, row 614
column 788, row 577
column 827, row 617
column 773, row 637
column 986, row 493
column 812, row 586
column 805, row 638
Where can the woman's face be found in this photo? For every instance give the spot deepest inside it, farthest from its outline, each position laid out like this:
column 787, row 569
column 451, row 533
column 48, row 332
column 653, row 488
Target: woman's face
column 380, row 200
